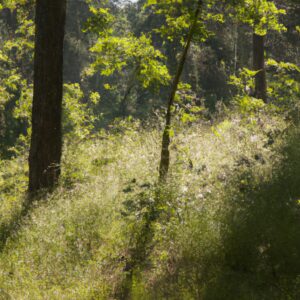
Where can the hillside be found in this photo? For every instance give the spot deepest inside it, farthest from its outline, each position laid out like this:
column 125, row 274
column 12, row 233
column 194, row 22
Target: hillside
column 226, row 223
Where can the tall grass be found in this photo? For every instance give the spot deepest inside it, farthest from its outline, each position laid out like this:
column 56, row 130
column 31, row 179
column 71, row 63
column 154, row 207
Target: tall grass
column 224, row 227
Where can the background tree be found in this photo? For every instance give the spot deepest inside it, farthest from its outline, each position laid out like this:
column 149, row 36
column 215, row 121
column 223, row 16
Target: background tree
column 262, row 16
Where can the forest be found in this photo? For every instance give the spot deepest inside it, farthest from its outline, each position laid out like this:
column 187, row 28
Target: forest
column 150, row 149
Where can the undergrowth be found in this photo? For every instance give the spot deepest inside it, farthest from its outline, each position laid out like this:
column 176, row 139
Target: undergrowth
column 224, row 226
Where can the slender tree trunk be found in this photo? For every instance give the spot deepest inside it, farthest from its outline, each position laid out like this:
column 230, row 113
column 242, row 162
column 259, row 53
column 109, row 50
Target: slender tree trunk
column 236, row 38
column 259, row 65
column 46, row 138
column 130, row 85
column 124, row 101
column 166, row 140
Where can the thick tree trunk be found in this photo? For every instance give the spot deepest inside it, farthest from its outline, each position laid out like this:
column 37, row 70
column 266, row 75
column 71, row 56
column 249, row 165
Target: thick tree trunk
column 46, row 139
column 259, row 65
column 166, row 140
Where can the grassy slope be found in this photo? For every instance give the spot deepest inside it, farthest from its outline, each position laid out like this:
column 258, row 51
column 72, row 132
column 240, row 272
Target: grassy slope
column 74, row 243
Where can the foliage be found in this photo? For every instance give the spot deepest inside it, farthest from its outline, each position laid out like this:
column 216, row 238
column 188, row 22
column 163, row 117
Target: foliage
column 16, row 52
column 114, row 54
column 178, row 15
column 283, row 99
column 78, row 120
column 244, row 83
column 284, row 88
column 129, row 62
column 261, row 15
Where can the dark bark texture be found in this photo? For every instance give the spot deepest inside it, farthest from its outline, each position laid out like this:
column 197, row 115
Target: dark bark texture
column 46, row 139
column 259, row 65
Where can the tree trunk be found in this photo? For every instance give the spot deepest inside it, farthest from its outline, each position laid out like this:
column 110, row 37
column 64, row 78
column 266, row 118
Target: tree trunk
column 236, row 40
column 259, row 65
column 124, row 101
column 166, row 140
column 46, row 138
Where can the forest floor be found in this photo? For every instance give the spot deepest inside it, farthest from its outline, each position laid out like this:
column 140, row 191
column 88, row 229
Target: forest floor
column 224, row 226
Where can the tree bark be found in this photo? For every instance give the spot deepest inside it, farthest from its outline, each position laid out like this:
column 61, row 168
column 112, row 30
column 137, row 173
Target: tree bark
column 46, row 138
column 259, row 65
column 166, row 140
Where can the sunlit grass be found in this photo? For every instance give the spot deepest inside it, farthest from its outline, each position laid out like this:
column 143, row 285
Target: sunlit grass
column 73, row 243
